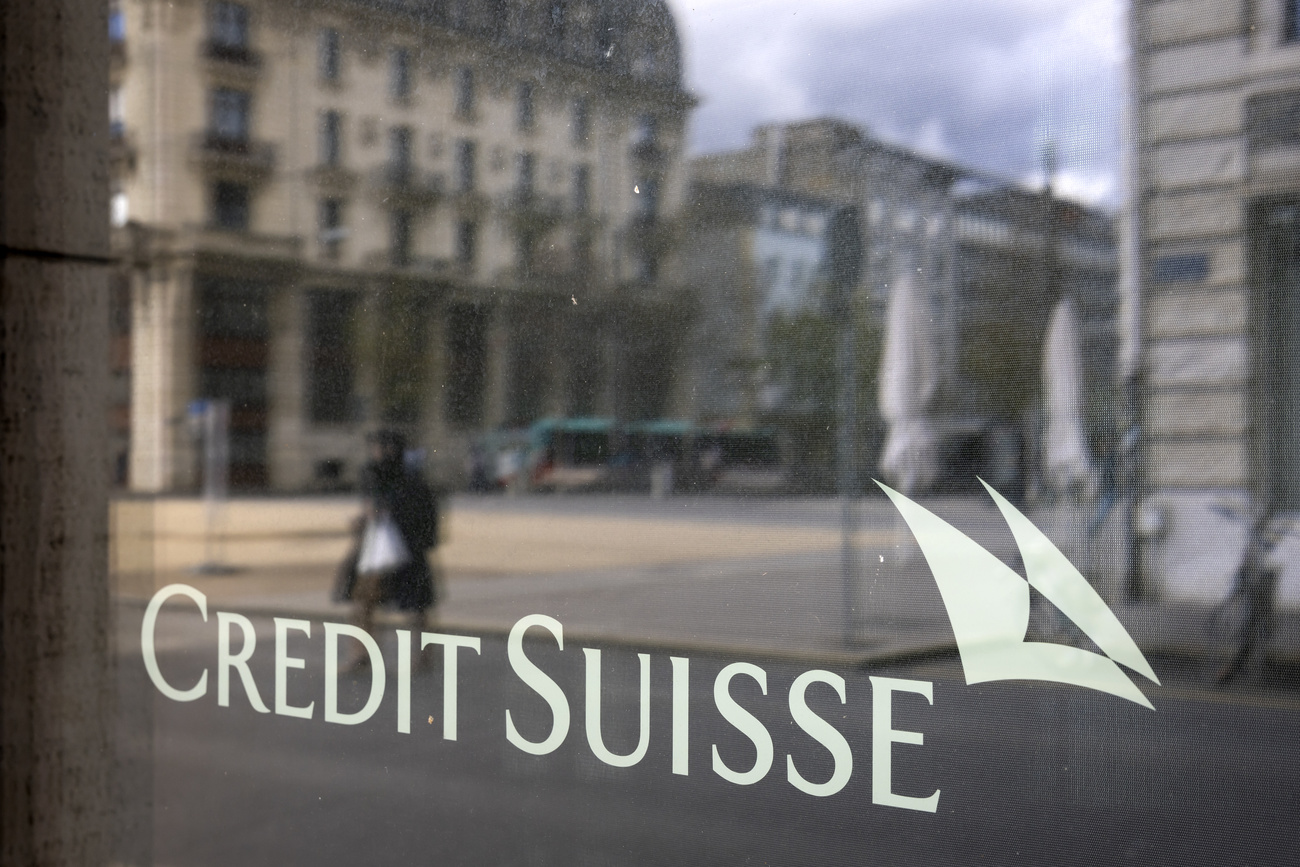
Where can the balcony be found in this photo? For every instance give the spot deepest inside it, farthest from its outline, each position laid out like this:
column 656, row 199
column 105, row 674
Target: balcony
column 240, row 158
column 333, row 178
column 402, row 186
column 234, row 55
column 121, row 151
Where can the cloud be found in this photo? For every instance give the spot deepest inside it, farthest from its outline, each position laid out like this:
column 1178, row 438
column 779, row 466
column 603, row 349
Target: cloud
column 987, row 84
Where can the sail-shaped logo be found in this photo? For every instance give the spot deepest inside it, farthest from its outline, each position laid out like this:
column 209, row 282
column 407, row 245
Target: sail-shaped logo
column 988, row 606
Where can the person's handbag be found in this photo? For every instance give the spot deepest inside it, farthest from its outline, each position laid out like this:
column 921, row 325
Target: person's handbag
column 382, row 547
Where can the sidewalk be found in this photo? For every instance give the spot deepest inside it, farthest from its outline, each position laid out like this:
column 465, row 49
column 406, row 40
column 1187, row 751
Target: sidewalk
column 712, row 580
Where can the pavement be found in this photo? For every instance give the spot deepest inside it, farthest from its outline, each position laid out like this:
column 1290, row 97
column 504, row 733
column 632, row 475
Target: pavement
column 697, row 575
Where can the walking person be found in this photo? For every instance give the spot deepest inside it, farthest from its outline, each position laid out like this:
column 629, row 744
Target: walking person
column 397, row 530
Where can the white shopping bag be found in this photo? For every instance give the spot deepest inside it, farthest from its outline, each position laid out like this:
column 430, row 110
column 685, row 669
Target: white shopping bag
column 382, row 548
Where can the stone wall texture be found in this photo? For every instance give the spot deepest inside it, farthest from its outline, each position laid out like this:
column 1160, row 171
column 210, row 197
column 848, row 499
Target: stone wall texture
column 56, row 755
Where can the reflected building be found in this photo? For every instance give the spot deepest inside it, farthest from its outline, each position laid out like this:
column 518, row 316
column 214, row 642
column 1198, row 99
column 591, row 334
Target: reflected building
column 761, row 348
column 1213, row 283
column 983, row 262
column 445, row 216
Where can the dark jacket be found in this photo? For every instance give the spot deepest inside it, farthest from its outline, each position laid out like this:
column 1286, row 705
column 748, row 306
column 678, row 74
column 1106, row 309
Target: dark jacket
column 413, row 506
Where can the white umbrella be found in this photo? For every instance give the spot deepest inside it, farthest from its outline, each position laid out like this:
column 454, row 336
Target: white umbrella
column 906, row 391
column 1065, row 450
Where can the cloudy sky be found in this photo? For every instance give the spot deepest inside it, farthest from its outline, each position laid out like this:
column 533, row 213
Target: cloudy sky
column 981, row 82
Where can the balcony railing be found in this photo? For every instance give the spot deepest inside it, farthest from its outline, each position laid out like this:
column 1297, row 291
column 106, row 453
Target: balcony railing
column 241, row 156
column 333, row 177
column 403, row 186
column 238, row 55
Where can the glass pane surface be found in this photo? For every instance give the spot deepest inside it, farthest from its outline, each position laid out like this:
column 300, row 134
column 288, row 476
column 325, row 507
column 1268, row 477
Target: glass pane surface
column 640, row 433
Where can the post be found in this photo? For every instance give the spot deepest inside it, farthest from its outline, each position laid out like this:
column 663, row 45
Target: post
column 844, row 269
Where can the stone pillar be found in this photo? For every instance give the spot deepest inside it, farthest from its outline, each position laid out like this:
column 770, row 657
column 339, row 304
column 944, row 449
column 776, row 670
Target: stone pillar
column 289, row 464
column 497, row 380
column 55, row 710
column 163, row 379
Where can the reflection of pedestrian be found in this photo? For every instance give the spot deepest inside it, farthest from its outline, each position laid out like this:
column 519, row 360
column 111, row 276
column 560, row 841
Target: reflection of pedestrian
column 399, row 528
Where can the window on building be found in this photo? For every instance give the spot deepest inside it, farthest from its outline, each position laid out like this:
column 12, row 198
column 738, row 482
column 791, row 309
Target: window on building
column 332, row 232
column 116, row 119
column 116, row 26
column 557, row 21
column 581, row 189
column 645, row 131
column 466, row 165
column 399, row 153
column 331, row 138
column 230, row 205
column 399, row 73
column 525, row 117
column 466, row 365
column 525, row 175
column 466, row 243
column 464, row 95
column 401, row 239
column 229, row 120
column 331, row 358
column 330, row 55
column 647, row 198
column 581, row 121
column 229, row 26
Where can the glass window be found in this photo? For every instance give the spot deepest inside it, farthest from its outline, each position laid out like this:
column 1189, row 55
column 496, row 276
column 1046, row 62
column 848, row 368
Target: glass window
column 581, row 123
column 524, row 111
column 330, row 55
column 525, row 174
column 464, row 93
column 466, row 242
column 400, row 81
column 401, row 238
column 229, row 115
column 876, row 440
column 399, row 152
column 331, row 138
column 229, row 26
column 332, row 232
column 116, row 114
column 466, row 165
column 116, row 25
column 230, row 205
column 331, row 356
column 581, row 189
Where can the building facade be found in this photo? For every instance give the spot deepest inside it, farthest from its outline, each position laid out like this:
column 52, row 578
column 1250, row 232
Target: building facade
column 982, row 261
column 440, row 216
column 1212, row 282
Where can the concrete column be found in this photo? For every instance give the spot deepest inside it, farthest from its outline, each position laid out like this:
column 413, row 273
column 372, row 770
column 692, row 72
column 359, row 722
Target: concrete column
column 56, row 799
column 164, row 379
column 289, row 465
column 497, row 381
